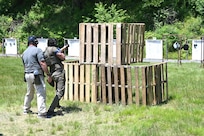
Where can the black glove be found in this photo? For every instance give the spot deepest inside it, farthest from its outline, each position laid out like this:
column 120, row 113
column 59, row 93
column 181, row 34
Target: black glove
column 52, row 83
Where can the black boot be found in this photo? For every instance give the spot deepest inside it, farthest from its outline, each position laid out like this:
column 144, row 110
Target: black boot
column 54, row 104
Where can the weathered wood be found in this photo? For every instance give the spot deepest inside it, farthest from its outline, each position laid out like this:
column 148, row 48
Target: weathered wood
column 118, row 44
column 82, row 42
column 115, row 83
column 71, row 80
column 76, row 81
column 88, row 80
column 66, row 82
column 88, row 43
column 149, row 86
column 116, row 80
column 94, row 84
column 110, row 99
column 82, row 76
column 144, row 83
column 122, row 77
column 95, row 44
column 103, row 43
column 137, row 91
column 129, row 83
column 110, row 44
column 103, row 84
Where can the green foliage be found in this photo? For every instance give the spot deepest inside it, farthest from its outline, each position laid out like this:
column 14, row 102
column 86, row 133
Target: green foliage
column 198, row 7
column 5, row 25
column 164, row 16
column 190, row 28
column 111, row 14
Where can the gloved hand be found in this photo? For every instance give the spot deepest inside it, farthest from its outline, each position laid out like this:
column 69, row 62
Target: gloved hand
column 50, row 81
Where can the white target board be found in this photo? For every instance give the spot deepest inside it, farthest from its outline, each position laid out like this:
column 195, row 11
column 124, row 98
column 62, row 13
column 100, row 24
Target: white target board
column 197, row 49
column 154, row 49
column 73, row 49
column 10, row 45
column 42, row 43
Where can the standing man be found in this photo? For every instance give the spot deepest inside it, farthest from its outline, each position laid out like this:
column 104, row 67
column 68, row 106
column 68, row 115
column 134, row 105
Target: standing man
column 54, row 57
column 34, row 67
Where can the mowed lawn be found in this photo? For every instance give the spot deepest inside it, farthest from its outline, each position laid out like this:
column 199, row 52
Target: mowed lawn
column 182, row 115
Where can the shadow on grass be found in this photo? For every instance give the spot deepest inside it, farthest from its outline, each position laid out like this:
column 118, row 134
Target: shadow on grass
column 71, row 109
column 65, row 110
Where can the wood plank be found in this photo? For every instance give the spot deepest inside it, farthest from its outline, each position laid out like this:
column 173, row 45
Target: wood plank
column 71, row 80
column 110, row 101
column 118, row 43
column 149, row 86
column 82, row 83
column 122, row 77
column 127, row 46
column 166, row 79
column 144, row 90
column 116, row 89
column 82, row 44
column 76, row 81
column 103, row 84
column 66, row 82
column 123, row 46
column 158, row 84
column 95, row 44
column 88, row 45
column 129, row 82
column 110, row 44
column 103, row 43
column 87, row 90
column 137, row 91
column 94, row 84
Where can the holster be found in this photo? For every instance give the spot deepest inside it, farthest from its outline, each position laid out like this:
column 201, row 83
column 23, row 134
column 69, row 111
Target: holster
column 37, row 80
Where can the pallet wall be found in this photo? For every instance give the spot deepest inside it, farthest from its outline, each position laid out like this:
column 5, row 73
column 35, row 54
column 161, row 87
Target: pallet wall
column 97, row 43
column 120, row 84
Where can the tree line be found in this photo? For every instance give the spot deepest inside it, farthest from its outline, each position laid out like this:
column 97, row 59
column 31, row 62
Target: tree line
column 60, row 18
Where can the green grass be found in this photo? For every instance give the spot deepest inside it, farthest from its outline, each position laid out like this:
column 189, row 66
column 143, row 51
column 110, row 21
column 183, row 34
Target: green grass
column 183, row 115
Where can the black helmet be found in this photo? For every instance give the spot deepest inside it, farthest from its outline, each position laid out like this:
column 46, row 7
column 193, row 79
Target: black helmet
column 32, row 39
column 52, row 42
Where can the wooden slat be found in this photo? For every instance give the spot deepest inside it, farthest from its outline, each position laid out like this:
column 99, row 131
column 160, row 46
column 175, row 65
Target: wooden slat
column 149, row 86
column 88, row 43
column 116, row 79
column 66, row 82
column 109, row 85
column 87, row 74
column 166, row 78
column 158, row 85
column 110, row 44
column 128, row 52
column 95, row 43
column 118, row 43
column 103, row 43
column 81, row 38
column 94, row 85
column 122, row 77
column 71, row 80
column 103, row 84
column 82, row 83
column 144, row 93
column 129, row 82
column 123, row 45
column 76, row 82
column 137, row 91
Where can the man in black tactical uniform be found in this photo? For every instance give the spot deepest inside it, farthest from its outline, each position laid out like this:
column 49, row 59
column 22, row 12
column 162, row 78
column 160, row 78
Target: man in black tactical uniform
column 54, row 57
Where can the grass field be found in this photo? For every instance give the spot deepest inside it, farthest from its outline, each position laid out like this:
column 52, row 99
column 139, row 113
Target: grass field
column 183, row 115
